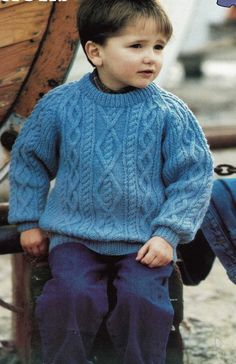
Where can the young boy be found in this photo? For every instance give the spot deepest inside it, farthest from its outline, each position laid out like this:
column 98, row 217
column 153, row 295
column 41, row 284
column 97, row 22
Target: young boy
column 133, row 177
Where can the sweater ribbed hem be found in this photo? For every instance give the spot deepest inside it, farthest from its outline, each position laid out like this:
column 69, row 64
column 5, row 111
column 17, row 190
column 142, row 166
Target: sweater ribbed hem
column 170, row 236
column 101, row 247
column 27, row 226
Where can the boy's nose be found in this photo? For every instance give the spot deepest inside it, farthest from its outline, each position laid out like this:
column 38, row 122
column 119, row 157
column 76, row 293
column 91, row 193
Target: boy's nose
column 149, row 58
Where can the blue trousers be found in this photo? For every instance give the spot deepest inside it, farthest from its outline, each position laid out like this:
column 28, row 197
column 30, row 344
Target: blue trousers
column 75, row 302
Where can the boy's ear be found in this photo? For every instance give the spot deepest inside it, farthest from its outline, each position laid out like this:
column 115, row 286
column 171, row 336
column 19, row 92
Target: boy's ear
column 93, row 53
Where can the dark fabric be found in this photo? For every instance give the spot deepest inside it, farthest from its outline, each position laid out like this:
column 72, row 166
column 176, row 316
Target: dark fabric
column 195, row 260
column 9, row 240
column 98, row 83
column 219, row 225
column 75, row 302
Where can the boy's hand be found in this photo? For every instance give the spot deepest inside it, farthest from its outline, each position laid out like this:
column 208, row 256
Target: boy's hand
column 156, row 252
column 34, row 242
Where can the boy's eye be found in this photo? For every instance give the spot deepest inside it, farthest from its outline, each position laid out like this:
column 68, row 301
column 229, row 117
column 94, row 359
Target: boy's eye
column 138, row 45
column 159, row 47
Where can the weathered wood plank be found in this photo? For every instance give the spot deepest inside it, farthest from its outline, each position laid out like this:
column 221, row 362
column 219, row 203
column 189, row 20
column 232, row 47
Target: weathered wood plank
column 29, row 276
column 24, row 22
column 22, row 322
column 16, row 59
column 7, row 97
column 15, row 62
column 54, row 57
column 6, row 4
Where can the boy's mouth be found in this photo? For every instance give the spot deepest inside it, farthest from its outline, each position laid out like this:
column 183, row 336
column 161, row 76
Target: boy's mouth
column 147, row 72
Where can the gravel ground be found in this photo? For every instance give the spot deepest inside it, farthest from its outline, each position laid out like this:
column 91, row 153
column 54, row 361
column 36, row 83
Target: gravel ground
column 209, row 325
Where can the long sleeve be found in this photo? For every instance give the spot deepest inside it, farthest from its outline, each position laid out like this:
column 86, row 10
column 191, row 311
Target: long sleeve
column 127, row 167
column 33, row 165
column 187, row 175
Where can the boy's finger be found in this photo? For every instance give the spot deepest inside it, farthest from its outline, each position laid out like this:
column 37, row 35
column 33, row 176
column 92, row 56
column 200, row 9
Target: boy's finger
column 142, row 252
column 148, row 258
column 155, row 263
column 36, row 251
column 43, row 248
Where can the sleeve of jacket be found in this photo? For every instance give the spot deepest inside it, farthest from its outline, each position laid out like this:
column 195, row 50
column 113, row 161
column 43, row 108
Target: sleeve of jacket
column 33, row 165
column 187, row 175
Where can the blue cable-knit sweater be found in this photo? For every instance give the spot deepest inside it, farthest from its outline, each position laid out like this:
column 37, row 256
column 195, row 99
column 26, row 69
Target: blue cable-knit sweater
column 126, row 166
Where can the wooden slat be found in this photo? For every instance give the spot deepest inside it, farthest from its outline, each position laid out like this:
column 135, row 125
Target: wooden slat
column 16, row 61
column 54, row 58
column 23, row 22
column 6, row 4
column 7, row 97
column 15, row 64
column 22, row 323
column 3, row 112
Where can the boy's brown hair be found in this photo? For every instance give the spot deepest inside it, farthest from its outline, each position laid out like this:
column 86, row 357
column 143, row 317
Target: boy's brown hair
column 99, row 20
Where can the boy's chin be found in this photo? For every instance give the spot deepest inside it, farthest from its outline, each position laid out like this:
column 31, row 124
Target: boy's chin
column 143, row 85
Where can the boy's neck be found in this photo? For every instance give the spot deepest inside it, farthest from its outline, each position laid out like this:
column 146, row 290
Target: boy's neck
column 100, row 85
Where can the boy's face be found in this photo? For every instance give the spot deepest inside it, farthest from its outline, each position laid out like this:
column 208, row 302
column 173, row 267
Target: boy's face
column 133, row 57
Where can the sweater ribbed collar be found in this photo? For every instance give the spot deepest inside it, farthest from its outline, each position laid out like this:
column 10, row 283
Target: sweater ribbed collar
column 127, row 99
column 94, row 77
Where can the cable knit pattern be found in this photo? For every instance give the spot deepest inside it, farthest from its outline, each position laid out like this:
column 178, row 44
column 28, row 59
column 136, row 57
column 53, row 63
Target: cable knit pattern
column 127, row 166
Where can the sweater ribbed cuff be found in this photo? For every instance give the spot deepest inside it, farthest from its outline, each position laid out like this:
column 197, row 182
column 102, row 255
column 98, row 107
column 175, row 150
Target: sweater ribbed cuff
column 169, row 235
column 27, row 226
